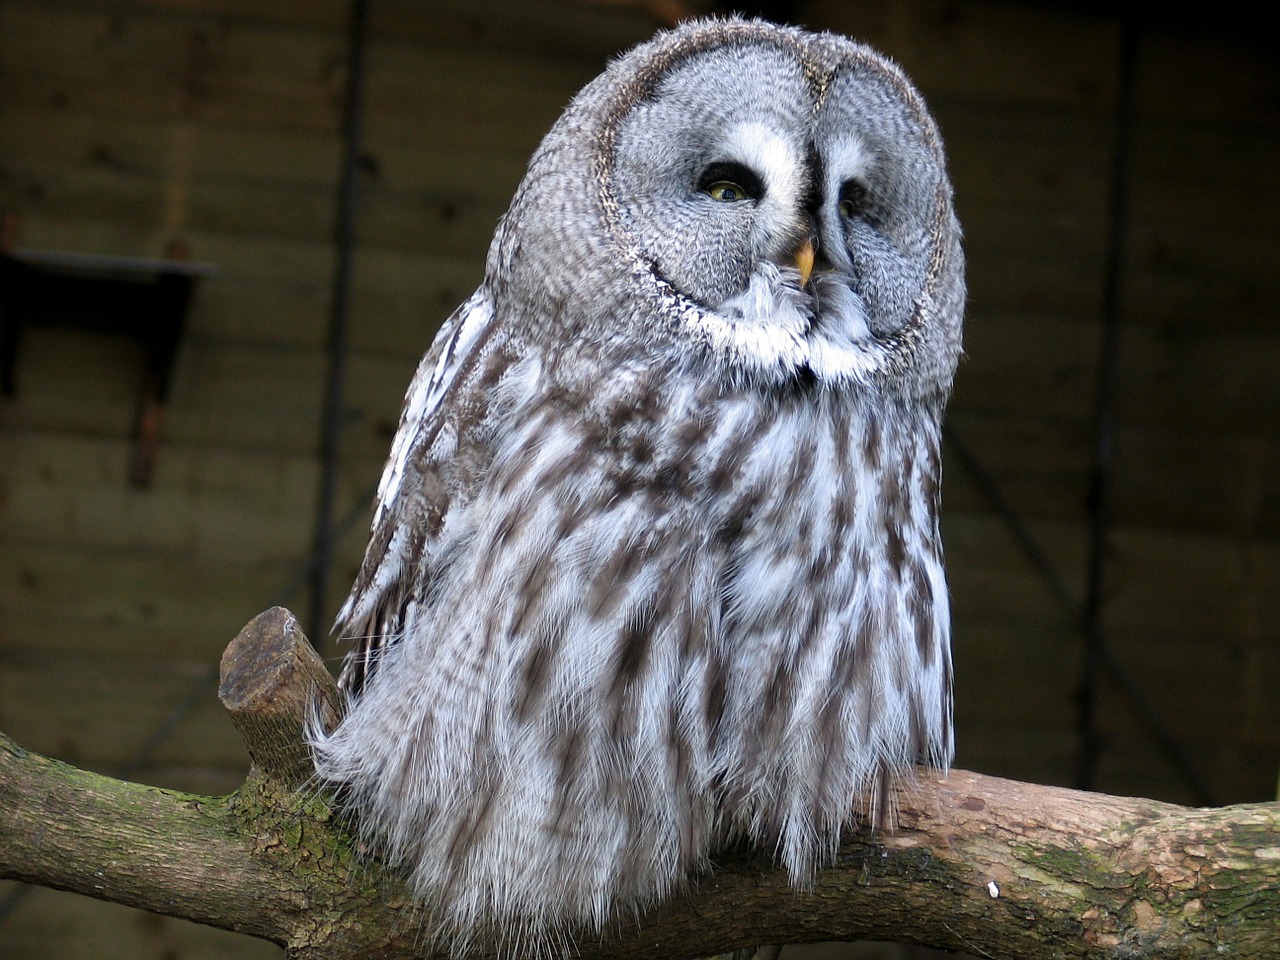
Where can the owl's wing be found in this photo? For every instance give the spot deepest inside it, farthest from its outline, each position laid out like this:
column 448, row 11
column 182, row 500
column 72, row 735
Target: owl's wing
column 412, row 498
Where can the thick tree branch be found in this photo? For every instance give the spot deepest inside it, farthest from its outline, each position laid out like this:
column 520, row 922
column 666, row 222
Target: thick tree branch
column 990, row 866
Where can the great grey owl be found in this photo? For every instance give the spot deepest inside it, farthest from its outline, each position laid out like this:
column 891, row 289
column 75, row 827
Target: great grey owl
column 655, row 561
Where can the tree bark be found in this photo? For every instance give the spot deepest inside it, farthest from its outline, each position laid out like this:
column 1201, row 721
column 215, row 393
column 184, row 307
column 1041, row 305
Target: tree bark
column 989, row 866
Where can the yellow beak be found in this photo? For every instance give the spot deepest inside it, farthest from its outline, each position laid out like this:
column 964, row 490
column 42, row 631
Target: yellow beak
column 804, row 262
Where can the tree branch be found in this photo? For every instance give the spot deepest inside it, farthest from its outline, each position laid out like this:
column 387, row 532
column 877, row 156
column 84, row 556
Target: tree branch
column 993, row 867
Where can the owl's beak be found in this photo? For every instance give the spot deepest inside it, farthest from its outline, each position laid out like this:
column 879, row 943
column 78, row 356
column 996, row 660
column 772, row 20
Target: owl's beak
column 804, row 262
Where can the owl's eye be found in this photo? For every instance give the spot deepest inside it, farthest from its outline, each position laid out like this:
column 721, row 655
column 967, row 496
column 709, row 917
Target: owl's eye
column 727, row 191
column 853, row 199
column 730, row 183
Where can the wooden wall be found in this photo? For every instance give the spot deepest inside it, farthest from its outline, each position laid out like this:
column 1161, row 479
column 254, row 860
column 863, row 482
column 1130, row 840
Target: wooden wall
column 127, row 124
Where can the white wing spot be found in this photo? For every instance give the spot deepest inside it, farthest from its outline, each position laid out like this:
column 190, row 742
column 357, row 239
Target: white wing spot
column 426, row 392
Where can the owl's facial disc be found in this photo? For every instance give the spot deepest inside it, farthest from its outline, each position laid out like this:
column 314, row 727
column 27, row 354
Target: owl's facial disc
column 794, row 216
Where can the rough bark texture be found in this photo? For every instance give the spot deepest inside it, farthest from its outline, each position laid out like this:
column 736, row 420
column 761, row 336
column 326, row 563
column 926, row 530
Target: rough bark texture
column 993, row 867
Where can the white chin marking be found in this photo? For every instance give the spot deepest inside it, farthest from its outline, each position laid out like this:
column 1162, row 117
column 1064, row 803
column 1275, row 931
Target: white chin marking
column 770, row 330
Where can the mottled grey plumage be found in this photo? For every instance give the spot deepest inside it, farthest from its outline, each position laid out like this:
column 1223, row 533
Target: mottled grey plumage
column 655, row 561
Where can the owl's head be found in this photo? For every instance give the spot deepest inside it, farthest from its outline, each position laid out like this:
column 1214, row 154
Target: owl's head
column 773, row 200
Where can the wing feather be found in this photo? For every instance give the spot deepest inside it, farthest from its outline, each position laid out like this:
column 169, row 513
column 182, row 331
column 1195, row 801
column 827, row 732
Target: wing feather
column 407, row 515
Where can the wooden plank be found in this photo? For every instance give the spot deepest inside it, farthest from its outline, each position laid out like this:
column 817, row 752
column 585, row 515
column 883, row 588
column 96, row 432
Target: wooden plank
column 270, row 79
column 1027, row 729
column 447, row 220
column 127, row 61
column 1039, row 371
column 1178, row 275
column 565, row 31
column 209, row 600
column 1042, row 54
column 1209, row 381
column 101, row 628
column 1018, row 748
column 1212, row 380
column 320, row 14
column 402, row 298
column 1031, row 262
column 1002, row 594
column 1208, row 68
column 1172, row 586
column 85, row 600
column 1131, row 762
column 229, row 221
column 451, row 96
column 1184, row 613
column 1040, row 467
column 1212, row 482
column 1043, row 366
column 246, row 396
column 226, row 395
column 208, row 502
column 276, row 291
column 274, row 312
column 440, row 220
column 1208, row 174
column 1206, row 263
column 1046, row 662
column 98, row 710
column 63, row 57
column 1171, row 591
column 1052, row 163
column 144, row 146
column 241, row 395
column 992, row 581
column 53, row 924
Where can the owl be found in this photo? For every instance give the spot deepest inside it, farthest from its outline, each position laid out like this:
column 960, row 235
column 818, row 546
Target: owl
column 655, row 564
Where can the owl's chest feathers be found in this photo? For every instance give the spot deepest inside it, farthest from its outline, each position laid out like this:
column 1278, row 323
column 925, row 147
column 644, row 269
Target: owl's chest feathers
column 783, row 510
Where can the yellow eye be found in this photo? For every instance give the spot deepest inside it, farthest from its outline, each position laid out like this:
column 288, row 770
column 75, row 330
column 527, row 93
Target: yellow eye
column 848, row 209
column 726, row 191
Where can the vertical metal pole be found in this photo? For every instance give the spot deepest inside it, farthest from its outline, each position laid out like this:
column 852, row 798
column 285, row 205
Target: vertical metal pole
column 1100, row 472
column 331, row 424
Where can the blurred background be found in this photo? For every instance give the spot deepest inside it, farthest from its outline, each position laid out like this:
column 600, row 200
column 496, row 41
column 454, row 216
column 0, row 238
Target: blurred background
column 230, row 229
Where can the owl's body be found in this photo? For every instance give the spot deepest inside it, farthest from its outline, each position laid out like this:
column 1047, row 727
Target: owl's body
column 655, row 562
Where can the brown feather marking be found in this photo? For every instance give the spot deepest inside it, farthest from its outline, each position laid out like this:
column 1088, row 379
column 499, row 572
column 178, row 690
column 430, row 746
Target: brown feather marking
column 921, row 604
